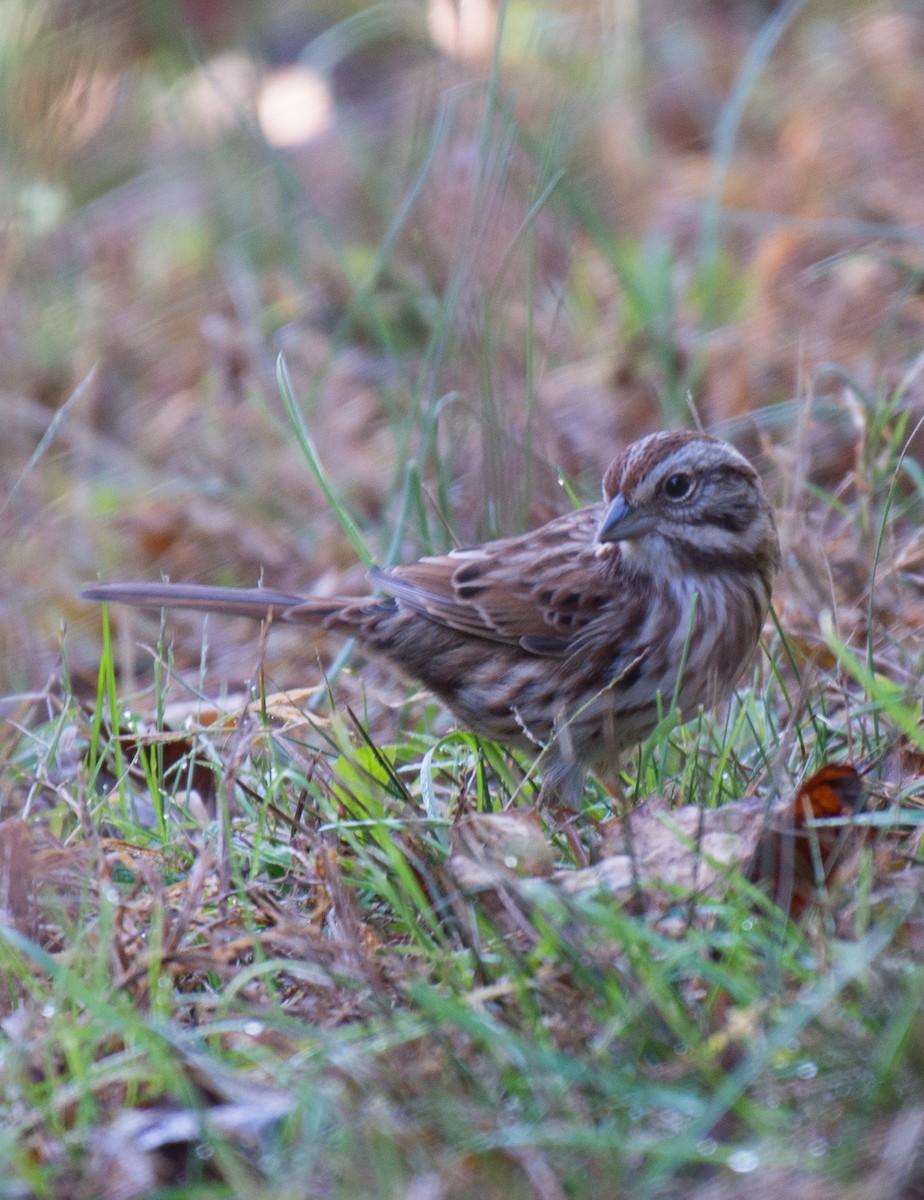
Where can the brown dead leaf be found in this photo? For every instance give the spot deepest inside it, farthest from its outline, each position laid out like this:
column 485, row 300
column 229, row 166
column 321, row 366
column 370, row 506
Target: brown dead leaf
column 145, row 1149
column 489, row 849
column 665, row 855
column 793, row 857
column 659, row 857
column 493, row 857
column 180, row 760
column 176, row 740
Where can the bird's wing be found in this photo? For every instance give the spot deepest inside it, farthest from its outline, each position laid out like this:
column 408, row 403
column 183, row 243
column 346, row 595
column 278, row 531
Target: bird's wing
column 539, row 590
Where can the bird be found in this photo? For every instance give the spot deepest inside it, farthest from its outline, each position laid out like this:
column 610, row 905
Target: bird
column 574, row 638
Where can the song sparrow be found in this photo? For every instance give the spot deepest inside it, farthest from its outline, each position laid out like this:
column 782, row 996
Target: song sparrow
column 573, row 637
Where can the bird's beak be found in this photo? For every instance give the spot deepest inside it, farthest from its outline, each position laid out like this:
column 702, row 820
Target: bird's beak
column 622, row 522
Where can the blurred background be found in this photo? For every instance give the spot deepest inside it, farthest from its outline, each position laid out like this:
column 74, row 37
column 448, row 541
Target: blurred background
column 493, row 243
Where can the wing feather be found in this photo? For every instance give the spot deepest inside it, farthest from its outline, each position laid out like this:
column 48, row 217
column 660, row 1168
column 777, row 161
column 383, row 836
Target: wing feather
column 538, row 590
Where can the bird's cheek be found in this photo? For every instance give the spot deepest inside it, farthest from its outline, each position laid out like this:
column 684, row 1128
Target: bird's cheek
column 648, row 555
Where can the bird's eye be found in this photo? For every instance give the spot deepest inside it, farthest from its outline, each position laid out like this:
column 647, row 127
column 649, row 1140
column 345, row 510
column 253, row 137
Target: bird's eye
column 678, row 486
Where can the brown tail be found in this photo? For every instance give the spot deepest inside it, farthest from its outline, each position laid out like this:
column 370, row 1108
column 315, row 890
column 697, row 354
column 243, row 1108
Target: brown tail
column 258, row 603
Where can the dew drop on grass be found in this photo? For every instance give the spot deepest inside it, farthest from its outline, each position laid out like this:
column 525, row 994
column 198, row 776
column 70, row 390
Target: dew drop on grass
column 807, row 1070
column 743, row 1162
column 673, row 1120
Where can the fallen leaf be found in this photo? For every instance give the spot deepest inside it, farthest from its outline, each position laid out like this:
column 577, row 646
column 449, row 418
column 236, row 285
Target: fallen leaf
column 796, row 857
column 665, row 855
